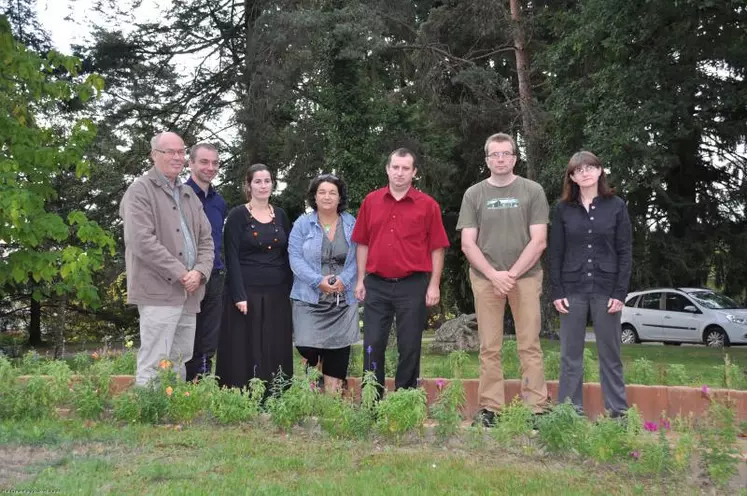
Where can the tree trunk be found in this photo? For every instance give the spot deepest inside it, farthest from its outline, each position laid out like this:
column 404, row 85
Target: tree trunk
column 35, row 323
column 526, row 105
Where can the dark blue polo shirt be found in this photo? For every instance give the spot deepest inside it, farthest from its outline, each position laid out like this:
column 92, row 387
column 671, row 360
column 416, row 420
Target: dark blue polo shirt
column 215, row 209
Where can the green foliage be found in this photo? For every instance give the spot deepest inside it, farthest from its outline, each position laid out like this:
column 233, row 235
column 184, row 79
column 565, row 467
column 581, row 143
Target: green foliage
column 40, row 245
column 717, row 443
column 591, row 367
column 510, row 359
column 457, row 362
column 552, row 365
column 516, row 420
column 91, row 394
column 676, row 375
column 562, row 428
column 605, row 440
column 448, row 409
column 232, row 405
column 293, row 401
column 341, row 418
column 401, row 411
column 641, row 371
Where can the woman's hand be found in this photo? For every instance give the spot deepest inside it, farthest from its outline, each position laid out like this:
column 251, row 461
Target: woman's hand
column 614, row 305
column 326, row 287
column 561, row 305
column 242, row 306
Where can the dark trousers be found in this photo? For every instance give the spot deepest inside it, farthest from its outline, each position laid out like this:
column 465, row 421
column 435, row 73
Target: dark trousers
column 207, row 328
column 385, row 300
column 572, row 337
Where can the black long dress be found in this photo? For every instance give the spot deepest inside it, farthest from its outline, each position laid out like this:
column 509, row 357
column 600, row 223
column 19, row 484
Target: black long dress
column 260, row 343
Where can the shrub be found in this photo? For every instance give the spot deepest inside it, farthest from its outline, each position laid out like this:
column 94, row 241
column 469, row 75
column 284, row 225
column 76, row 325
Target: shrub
column 448, row 409
column 605, row 440
column 515, row 420
column 401, row 411
column 676, row 375
column 552, row 365
column 641, row 371
column 562, row 428
column 233, row 405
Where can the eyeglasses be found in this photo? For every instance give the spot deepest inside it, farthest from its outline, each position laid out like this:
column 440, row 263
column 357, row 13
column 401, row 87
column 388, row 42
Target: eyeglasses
column 585, row 168
column 500, row 154
column 172, row 153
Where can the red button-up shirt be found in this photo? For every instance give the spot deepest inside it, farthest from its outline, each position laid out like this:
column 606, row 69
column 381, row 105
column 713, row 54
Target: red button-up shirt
column 400, row 234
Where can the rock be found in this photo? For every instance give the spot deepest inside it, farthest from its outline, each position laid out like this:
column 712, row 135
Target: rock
column 459, row 333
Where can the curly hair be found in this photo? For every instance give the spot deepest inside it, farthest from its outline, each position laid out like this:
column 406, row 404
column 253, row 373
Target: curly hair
column 332, row 179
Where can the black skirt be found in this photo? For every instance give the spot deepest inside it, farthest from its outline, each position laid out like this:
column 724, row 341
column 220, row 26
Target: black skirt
column 260, row 343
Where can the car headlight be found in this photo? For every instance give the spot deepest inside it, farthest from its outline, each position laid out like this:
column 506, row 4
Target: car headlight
column 736, row 320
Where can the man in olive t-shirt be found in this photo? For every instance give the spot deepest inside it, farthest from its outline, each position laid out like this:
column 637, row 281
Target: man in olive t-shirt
column 503, row 220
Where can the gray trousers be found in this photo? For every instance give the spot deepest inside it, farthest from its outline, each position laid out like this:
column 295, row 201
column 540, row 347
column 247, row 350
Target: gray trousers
column 572, row 336
column 166, row 333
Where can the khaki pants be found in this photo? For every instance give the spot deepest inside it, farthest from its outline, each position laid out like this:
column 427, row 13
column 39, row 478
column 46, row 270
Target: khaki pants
column 525, row 308
column 165, row 333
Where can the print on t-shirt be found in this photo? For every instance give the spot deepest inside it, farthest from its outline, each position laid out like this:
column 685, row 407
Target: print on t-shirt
column 501, row 203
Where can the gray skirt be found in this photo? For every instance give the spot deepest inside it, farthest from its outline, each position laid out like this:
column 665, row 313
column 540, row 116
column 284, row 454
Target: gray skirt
column 325, row 325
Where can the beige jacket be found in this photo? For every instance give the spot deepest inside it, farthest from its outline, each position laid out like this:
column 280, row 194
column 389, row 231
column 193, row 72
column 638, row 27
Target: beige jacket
column 154, row 244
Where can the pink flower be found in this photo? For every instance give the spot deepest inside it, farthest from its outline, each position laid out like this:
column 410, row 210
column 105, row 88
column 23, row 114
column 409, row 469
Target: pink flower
column 440, row 383
column 635, row 454
column 706, row 391
column 651, row 426
column 665, row 425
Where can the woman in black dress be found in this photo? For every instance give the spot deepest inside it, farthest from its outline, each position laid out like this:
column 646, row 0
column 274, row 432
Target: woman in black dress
column 256, row 329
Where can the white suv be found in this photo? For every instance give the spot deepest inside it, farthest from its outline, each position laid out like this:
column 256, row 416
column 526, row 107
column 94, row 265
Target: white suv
column 683, row 315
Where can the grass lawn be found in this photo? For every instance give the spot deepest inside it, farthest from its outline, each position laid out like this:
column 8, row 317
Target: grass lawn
column 65, row 457
column 704, row 365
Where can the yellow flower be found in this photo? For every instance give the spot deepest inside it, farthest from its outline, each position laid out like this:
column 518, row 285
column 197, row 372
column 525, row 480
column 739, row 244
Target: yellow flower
column 169, row 391
column 129, row 344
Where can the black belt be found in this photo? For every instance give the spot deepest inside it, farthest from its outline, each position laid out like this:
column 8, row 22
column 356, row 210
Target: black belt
column 393, row 279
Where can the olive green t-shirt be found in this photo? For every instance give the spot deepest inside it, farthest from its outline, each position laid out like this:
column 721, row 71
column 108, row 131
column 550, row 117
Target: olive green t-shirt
column 502, row 216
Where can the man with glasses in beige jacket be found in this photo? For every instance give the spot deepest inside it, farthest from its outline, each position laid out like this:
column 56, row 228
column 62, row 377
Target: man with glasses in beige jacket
column 168, row 256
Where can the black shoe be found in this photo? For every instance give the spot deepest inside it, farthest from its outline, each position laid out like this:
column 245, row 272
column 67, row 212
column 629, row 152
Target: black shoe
column 485, row 418
column 537, row 418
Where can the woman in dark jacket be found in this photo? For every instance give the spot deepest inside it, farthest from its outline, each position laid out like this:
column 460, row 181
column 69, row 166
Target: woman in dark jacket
column 590, row 266
column 256, row 336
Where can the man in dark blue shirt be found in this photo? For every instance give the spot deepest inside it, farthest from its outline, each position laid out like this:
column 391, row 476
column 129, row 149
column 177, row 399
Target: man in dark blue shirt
column 203, row 166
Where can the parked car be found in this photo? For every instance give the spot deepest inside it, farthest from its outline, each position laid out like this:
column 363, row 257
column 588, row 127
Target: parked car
column 683, row 315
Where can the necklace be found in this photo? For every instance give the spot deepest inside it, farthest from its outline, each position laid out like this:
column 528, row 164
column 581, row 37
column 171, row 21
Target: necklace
column 328, row 227
column 253, row 226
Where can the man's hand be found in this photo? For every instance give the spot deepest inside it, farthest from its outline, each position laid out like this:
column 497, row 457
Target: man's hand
column 360, row 290
column 191, row 281
column 503, row 282
column 242, row 307
column 561, row 305
column 432, row 295
column 614, row 306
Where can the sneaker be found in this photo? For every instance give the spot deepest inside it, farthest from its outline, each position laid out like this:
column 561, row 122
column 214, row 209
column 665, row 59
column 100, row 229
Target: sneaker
column 485, row 418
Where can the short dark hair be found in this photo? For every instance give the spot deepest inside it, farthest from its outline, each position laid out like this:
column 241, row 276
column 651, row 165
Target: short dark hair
column 253, row 169
column 571, row 190
column 342, row 190
column 205, row 145
column 403, row 152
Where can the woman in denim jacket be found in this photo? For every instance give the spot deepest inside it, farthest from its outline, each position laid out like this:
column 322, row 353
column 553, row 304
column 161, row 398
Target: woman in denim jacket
column 322, row 257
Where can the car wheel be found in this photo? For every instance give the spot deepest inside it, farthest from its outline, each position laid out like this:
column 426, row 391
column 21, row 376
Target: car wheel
column 715, row 337
column 628, row 335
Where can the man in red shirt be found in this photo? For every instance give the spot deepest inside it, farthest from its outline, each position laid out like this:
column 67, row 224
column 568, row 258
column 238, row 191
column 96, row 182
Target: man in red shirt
column 400, row 254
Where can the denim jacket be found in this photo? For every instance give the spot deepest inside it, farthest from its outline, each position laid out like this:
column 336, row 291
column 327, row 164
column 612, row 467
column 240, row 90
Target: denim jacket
column 305, row 251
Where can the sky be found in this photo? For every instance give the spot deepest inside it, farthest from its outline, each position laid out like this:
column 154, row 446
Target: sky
column 67, row 21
